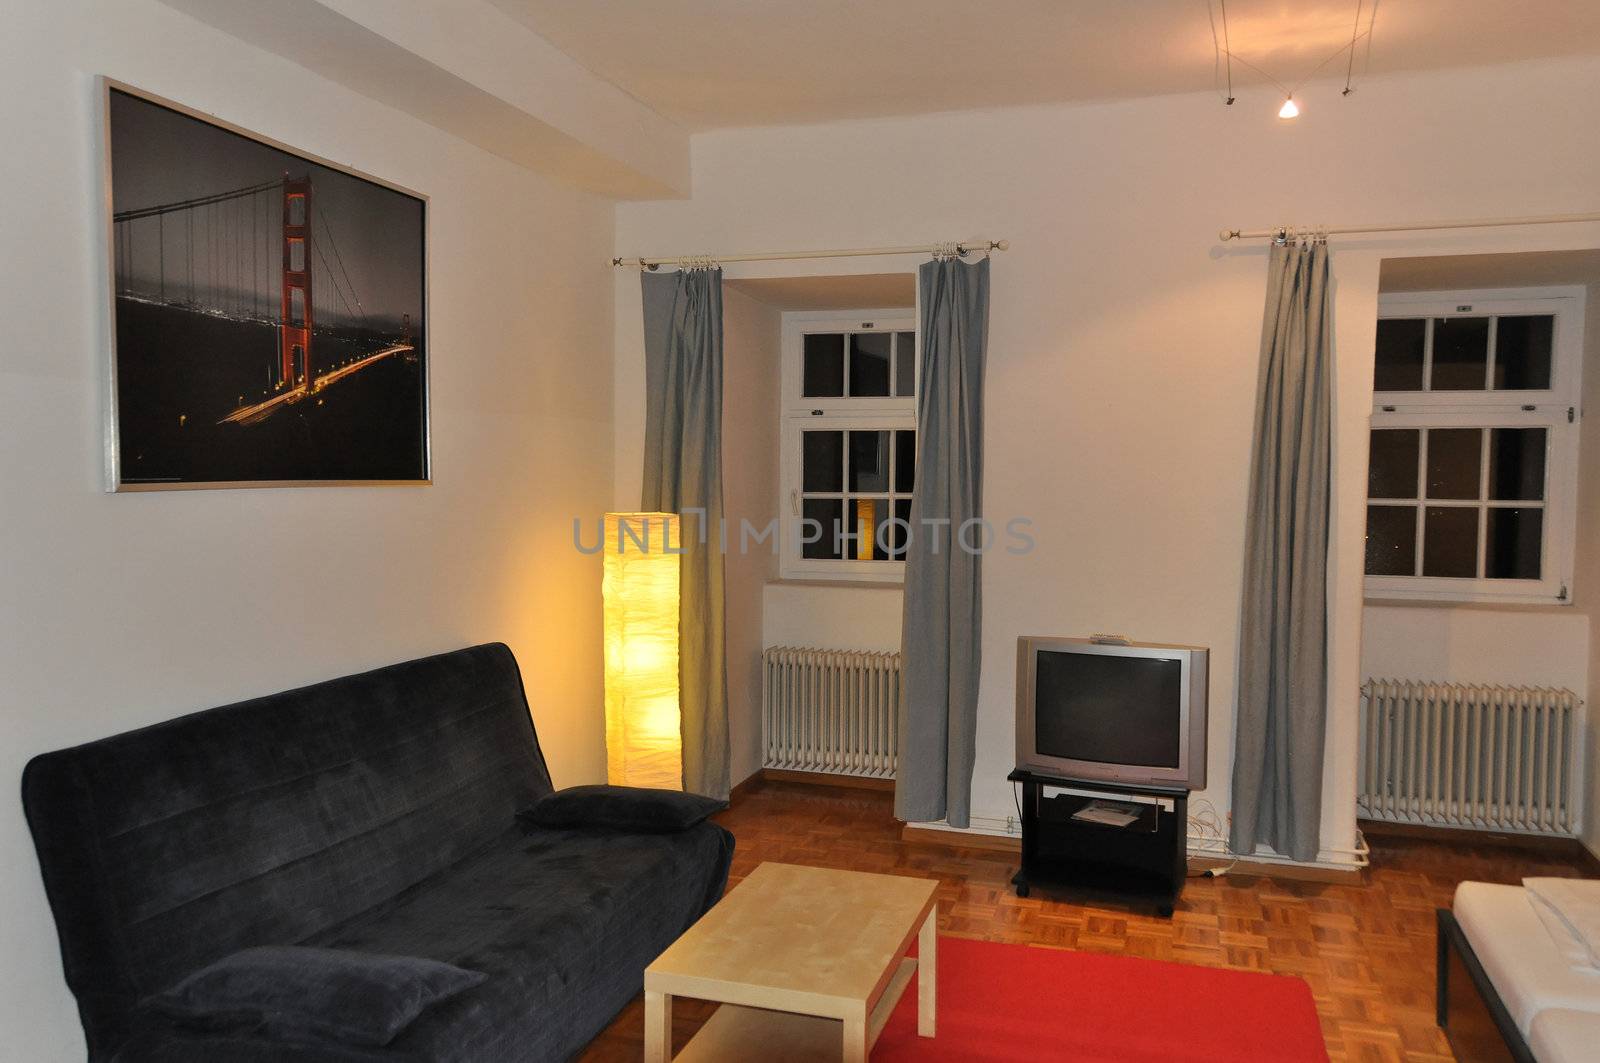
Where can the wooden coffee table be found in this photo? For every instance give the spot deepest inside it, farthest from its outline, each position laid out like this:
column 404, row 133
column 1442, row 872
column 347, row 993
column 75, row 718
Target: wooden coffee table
column 807, row 963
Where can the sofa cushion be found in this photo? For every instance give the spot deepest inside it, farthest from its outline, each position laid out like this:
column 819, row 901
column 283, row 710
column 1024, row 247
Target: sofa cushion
column 625, row 808
column 562, row 922
column 308, row 994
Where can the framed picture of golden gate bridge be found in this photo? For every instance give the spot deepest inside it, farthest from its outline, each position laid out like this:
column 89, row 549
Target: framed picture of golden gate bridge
column 269, row 310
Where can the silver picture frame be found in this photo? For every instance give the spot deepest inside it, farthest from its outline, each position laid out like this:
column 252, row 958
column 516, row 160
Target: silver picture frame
column 115, row 465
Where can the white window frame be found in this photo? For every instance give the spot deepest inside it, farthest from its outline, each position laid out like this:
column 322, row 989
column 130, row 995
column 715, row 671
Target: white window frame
column 837, row 414
column 1556, row 409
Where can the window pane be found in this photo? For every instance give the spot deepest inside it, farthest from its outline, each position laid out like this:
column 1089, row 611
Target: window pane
column 899, row 532
column 869, row 363
column 1455, row 458
column 1515, row 543
column 1460, row 353
column 1391, row 540
column 869, row 461
column 822, row 461
column 868, row 517
column 1399, row 366
column 1392, row 463
column 905, row 363
column 1522, row 348
column 827, row 512
column 1516, row 464
column 1450, row 542
column 905, row 461
column 824, row 371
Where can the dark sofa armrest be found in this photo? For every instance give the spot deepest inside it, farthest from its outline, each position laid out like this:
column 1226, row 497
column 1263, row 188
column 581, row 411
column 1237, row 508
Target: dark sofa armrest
column 622, row 808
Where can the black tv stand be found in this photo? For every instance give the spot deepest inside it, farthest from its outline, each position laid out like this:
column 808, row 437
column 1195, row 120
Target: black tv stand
column 1143, row 862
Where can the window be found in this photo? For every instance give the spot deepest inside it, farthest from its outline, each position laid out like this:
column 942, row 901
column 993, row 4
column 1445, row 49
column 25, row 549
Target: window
column 849, row 444
column 1472, row 467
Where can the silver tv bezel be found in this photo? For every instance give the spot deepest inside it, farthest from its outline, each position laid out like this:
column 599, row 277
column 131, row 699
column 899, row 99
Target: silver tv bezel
column 1190, row 772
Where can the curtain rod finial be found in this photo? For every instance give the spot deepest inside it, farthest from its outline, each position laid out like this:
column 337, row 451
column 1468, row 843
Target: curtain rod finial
column 1228, row 234
column 1002, row 245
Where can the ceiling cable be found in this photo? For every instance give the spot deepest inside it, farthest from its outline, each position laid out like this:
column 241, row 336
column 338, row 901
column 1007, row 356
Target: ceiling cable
column 1350, row 67
column 1227, row 47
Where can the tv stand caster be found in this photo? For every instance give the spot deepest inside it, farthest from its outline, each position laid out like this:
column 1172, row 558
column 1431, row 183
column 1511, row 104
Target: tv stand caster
column 1021, row 885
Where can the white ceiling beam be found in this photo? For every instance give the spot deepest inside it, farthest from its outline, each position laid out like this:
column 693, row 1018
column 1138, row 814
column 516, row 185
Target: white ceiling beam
column 474, row 72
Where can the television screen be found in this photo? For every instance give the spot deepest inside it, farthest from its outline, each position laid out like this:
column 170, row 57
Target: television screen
column 1108, row 709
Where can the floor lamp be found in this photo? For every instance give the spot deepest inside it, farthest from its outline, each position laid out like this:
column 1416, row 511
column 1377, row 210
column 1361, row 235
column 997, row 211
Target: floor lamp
column 644, row 742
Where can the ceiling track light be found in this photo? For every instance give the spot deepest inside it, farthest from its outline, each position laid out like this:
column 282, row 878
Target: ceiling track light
column 1224, row 57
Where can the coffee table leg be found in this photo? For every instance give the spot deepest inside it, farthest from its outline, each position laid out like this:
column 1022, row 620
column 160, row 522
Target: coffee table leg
column 928, row 972
column 855, row 1040
column 657, row 1027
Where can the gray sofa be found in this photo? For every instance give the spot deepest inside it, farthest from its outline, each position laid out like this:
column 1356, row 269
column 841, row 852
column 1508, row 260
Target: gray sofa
column 372, row 813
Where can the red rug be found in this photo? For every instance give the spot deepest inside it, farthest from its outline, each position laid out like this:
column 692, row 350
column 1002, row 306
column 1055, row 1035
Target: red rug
column 1014, row 1002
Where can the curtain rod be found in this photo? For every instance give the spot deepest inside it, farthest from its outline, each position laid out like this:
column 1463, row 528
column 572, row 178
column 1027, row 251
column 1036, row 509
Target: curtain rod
column 1477, row 223
column 953, row 247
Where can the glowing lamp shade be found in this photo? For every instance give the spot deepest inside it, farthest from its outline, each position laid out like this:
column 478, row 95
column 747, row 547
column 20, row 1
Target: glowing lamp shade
column 644, row 746
column 1289, row 109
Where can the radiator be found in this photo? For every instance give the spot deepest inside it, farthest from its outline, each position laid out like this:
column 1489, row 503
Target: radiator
column 831, row 711
column 1480, row 757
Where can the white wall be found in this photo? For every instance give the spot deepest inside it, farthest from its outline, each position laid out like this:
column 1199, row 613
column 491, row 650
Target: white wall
column 1123, row 337
column 841, row 616
column 1454, row 644
column 1586, row 578
column 120, row 610
column 751, row 345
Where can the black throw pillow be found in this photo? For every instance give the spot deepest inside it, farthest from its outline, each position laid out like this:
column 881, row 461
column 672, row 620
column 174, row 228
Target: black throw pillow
column 309, row 994
column 624, row 808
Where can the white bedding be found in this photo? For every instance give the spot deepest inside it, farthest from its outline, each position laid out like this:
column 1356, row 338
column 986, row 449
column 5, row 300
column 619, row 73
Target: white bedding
column 1526, row 968
column 1560, row 1035
column 1570, row 911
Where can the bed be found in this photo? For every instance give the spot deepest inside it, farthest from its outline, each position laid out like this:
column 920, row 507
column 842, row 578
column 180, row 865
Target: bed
column 1507, row 988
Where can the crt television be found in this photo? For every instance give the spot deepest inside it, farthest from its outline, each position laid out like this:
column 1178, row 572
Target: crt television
column 1132, row 713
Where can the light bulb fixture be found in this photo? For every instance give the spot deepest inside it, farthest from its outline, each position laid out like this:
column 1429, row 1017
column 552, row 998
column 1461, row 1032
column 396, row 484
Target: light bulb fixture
column 1223, row 56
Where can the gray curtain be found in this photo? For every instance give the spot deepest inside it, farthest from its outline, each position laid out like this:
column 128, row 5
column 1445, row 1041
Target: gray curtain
column 1283, row 624
column 943, row 608
column 683, row 474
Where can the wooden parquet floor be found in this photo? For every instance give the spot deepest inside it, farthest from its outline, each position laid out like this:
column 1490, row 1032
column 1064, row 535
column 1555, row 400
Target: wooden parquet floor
column 1366, row 950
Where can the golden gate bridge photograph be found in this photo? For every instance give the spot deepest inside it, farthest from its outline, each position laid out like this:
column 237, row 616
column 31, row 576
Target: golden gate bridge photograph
column 269, row 311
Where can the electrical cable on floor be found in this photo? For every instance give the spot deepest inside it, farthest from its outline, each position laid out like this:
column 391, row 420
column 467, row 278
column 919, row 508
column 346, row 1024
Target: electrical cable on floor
column 1206, row 825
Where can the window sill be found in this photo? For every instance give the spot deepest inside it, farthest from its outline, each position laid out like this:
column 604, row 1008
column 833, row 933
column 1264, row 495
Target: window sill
column 1424, row 598
column 838, row 583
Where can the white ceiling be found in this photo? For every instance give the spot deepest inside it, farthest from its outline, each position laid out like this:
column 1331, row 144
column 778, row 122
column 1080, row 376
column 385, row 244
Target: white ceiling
column 717, row 63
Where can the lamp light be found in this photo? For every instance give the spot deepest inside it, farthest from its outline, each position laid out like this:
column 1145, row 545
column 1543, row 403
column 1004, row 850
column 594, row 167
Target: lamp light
column 644, row 746
column 1289, row 110
column 865, row 509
